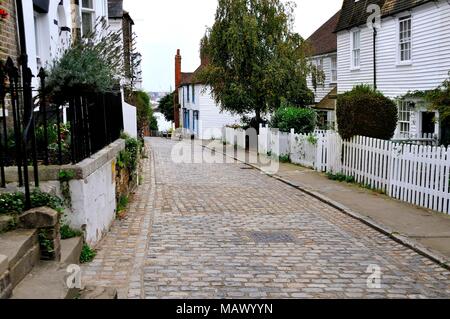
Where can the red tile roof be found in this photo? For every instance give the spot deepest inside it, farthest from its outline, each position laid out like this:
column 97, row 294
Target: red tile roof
column 190, row 78
column 324, row 40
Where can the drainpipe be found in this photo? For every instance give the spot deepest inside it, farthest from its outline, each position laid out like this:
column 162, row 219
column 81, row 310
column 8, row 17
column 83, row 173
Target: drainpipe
column 374, row 58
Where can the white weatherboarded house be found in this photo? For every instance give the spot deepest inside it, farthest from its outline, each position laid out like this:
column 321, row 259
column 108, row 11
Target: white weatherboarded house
column 200, row 115
column 323, row 45
column 50, row 27
column 410, row 51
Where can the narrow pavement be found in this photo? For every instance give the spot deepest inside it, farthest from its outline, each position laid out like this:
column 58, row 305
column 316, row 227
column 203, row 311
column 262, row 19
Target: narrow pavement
column 226, row 231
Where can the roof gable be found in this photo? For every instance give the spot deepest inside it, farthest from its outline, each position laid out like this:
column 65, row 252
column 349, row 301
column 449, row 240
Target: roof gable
column 324, row 40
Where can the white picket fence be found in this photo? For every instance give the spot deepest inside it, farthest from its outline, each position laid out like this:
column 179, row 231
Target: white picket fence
column 416, row 174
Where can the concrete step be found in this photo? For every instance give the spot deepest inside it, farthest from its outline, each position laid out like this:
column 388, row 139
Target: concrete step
column 71, row 250
column 22, row 249
column 47, row 280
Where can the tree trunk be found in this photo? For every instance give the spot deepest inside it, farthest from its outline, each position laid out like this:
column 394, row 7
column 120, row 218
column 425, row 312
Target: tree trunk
column 257, row 119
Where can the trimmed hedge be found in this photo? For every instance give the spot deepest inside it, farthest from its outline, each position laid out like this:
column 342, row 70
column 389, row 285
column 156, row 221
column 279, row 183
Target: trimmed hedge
column 303, row 121
column 366, row 112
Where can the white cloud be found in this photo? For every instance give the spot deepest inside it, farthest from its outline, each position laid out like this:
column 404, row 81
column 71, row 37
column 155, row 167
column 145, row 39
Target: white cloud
column 163, row 26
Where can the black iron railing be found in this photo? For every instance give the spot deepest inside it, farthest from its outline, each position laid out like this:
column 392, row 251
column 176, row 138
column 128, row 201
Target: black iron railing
column 40, row 131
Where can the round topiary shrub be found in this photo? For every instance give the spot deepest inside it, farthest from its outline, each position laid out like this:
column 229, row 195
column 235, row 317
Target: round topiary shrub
column 366, row 112
column 303, row 121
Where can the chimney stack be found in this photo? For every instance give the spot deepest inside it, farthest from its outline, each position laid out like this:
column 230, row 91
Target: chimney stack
column 176, row 107
column 177, row 69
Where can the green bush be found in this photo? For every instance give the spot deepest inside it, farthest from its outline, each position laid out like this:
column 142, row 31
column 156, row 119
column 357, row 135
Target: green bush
column 87, row 254
column 87, row 66
column 128, row 158
column 14, row 203
column 303, row 121
column 68, row 233
column 366, row 112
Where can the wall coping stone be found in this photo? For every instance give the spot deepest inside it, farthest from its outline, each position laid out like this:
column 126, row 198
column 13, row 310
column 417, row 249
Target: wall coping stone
column 82, row 170
column 4, row 264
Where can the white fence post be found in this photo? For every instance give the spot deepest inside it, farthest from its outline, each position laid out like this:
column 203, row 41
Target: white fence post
column 419, row 175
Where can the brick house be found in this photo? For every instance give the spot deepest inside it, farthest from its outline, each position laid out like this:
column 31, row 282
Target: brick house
column 9, row 46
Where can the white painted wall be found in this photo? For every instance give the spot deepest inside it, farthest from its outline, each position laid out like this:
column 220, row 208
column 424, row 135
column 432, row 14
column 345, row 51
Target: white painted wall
column 430, row 53
column 129, row 119
column 211, row 118
column 163, row 125
column 94, row 202
column 328, row 85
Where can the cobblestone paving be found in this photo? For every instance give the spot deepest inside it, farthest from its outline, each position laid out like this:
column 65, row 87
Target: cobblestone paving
column 221, row 231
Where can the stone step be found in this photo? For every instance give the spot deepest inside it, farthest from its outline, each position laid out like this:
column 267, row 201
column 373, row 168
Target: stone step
column 102, row 293
column 5, row 223
column 21, row 247
column 47, row 280
column 71, row 250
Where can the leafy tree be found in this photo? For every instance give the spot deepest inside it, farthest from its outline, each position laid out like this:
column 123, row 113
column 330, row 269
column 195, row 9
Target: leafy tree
column 366, row 112
column 166, row 107
column 439, row 99
column 145, row 117
column 255, row 59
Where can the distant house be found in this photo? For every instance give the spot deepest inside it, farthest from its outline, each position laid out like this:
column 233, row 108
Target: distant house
column 323, row 45
column 199, row 114
column 410, row 51
column 120, row 20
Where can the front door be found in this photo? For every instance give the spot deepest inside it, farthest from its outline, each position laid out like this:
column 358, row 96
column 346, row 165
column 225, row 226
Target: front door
column 428, row 126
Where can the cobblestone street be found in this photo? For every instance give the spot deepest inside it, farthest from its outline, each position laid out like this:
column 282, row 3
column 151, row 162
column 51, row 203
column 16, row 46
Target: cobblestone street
column 226, row 231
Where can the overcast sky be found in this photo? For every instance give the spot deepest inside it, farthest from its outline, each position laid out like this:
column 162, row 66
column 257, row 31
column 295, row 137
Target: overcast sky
column 163, row 26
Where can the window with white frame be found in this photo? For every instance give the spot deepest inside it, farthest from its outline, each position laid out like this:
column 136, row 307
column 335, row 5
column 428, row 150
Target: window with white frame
column 193, row 93
column 37, row 39
column 319, row 64
column 404, row 118
column 356, row 48
column 87, row 17
column 188, row 94
column 334, row 69
column 405, row 39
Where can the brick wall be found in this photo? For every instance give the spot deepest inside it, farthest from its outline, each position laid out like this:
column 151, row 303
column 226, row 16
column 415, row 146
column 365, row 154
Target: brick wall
column 8, row 32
